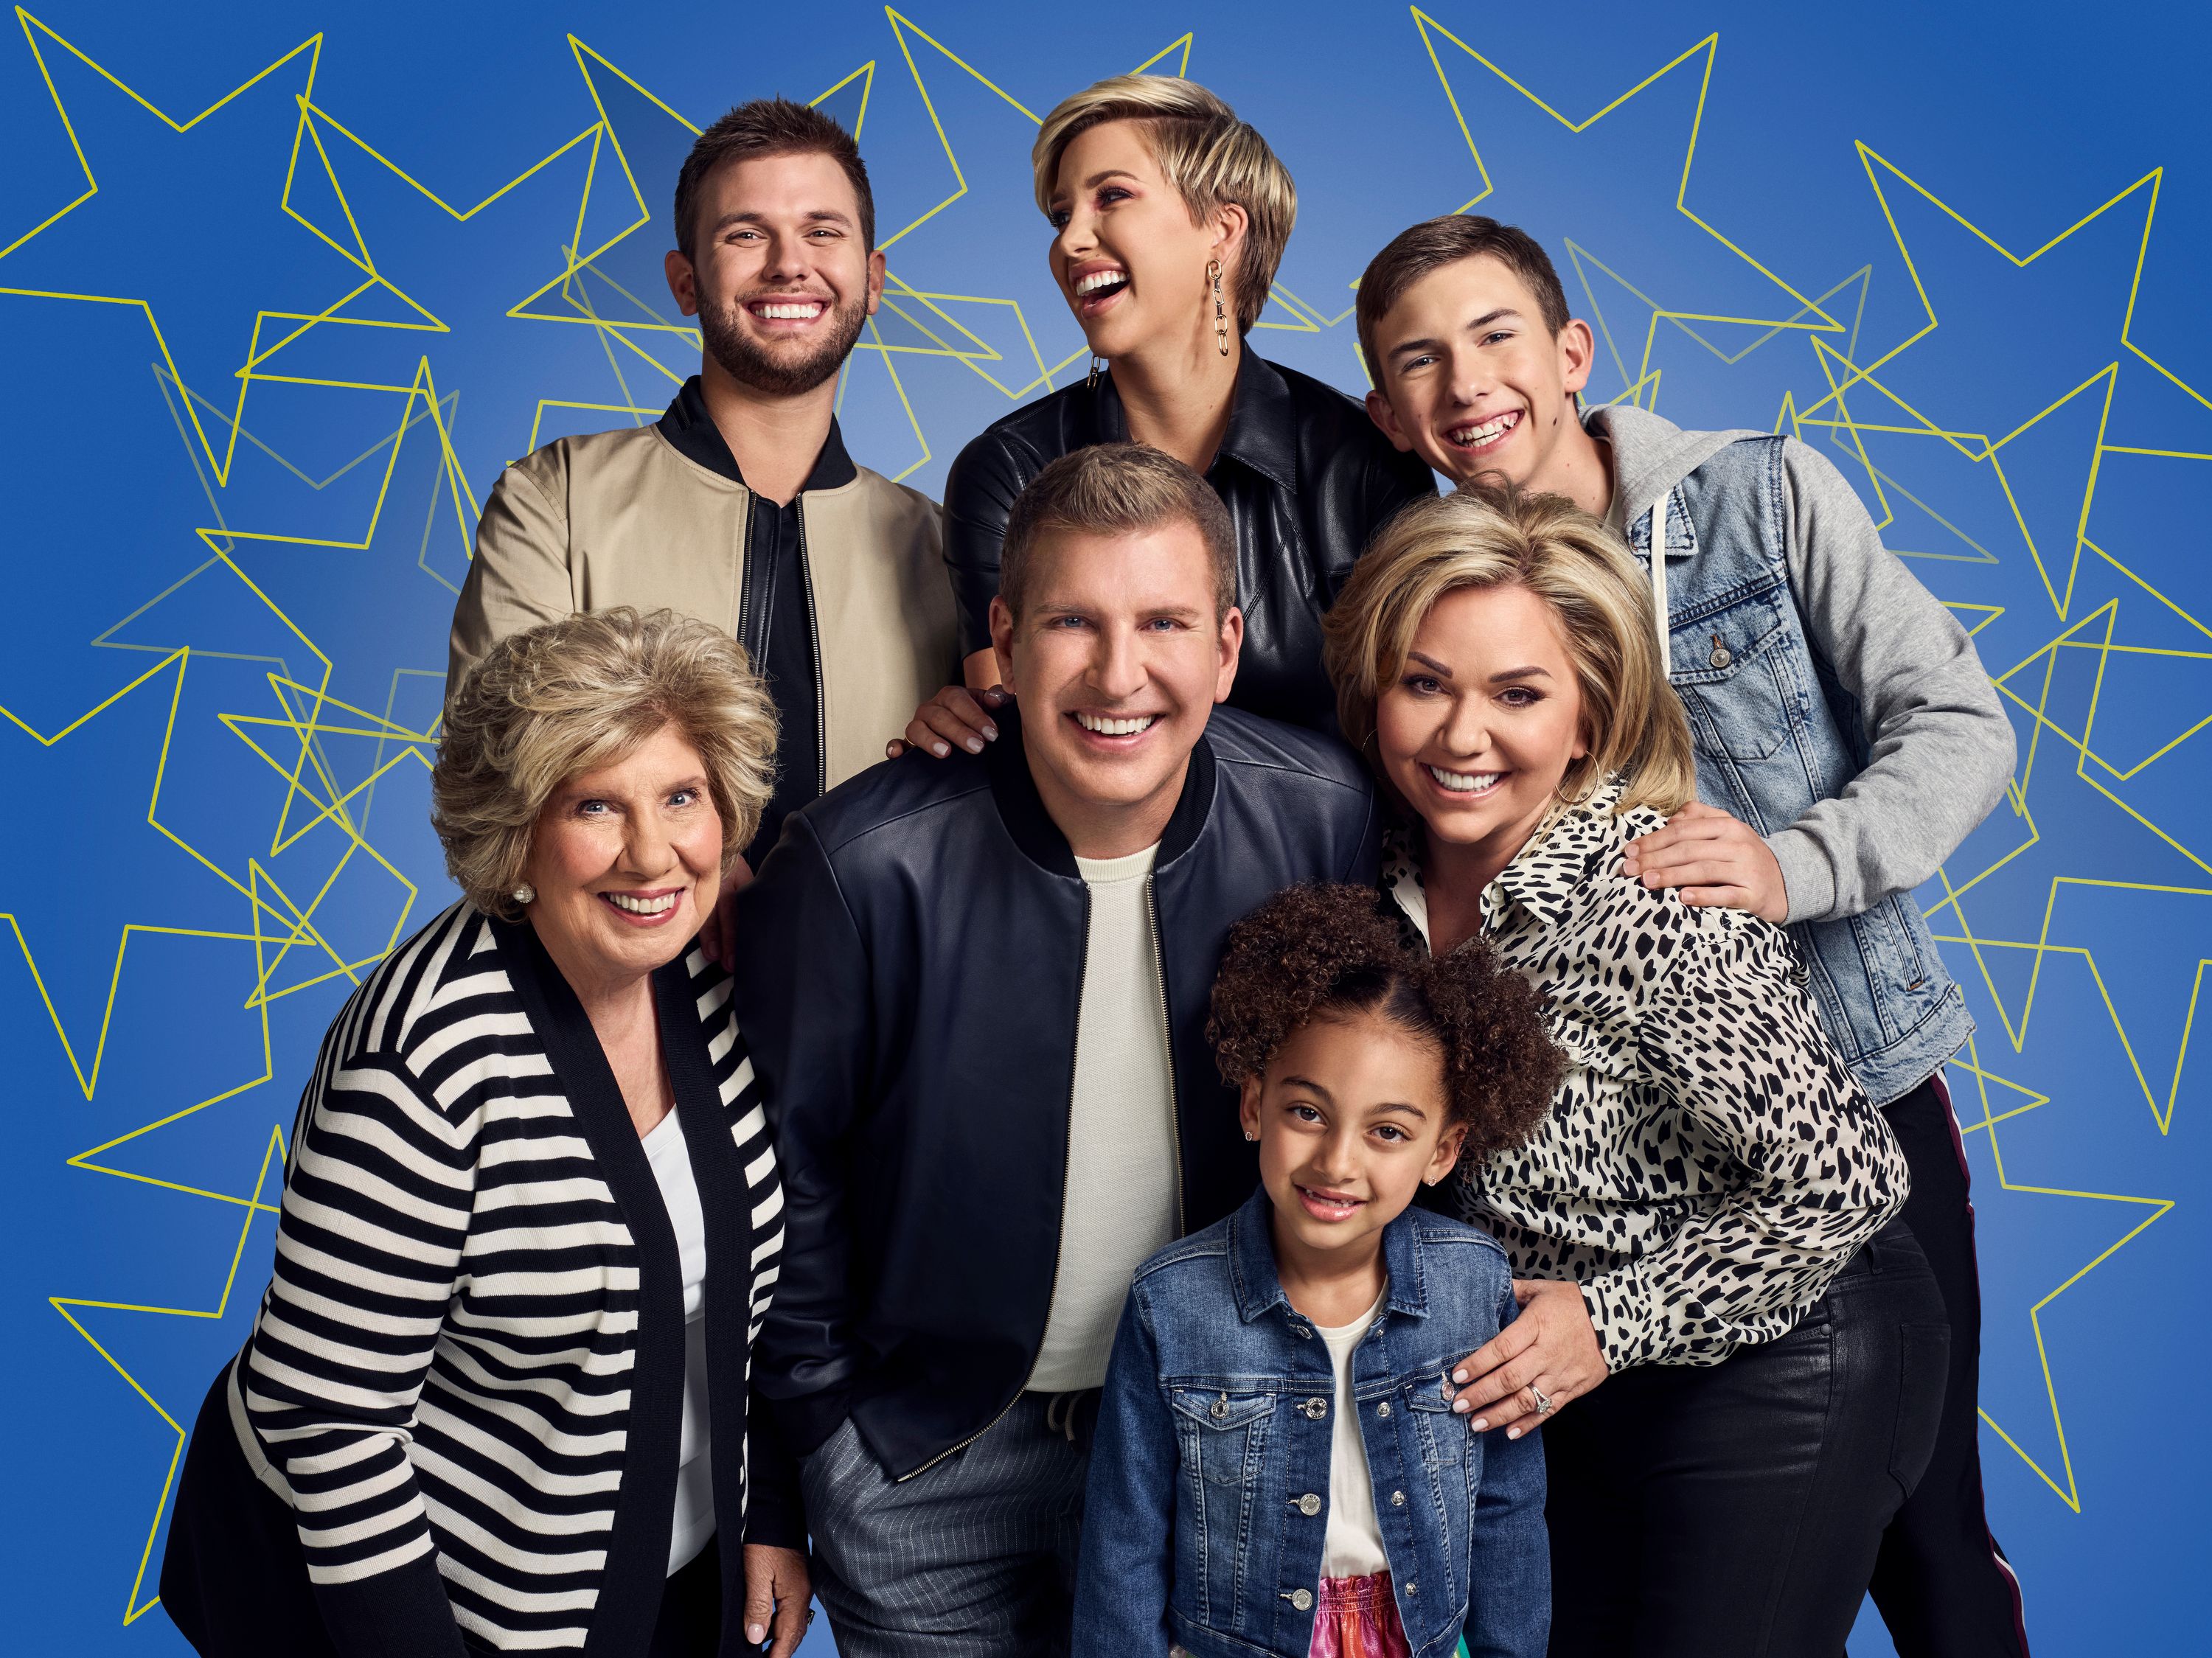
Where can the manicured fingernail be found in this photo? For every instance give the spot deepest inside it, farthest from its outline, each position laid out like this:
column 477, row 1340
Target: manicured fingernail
column 1480, row 1424
column 991, row 732
column 939, row 750
column 1461, row 1406
column 1459, row 1375
column 1513, row 1433
column 973, row 745
column 756, row 1633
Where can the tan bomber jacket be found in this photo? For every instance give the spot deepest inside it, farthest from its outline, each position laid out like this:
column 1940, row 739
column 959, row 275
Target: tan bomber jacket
column 622, row 518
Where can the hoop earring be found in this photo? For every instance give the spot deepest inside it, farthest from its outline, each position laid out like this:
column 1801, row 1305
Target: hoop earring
column 1090, row 380
column 1220, row 316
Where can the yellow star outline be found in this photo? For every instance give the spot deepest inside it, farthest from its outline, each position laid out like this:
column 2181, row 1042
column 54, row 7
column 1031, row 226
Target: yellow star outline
column 294, row 923
column 1430, row 28
column 2070, row 1493
column 1870, row 159
column 358, row 255
column 1642, row 383
column 69, row 1306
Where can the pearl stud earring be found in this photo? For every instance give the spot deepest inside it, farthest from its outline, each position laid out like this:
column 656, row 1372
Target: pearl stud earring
column 525, row 893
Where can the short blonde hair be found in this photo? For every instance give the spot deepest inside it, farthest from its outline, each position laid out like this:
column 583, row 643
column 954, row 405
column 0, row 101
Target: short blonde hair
column 1116, row 490
column 568, row 697
column 1631, row 723
column 1210, row 157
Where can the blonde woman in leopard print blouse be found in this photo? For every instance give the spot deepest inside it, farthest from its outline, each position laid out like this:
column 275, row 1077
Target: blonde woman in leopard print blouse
column 1705, row 1222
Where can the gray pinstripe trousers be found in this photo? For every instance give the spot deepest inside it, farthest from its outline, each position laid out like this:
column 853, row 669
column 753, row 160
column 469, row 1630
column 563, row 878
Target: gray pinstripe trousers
column 973, row 1558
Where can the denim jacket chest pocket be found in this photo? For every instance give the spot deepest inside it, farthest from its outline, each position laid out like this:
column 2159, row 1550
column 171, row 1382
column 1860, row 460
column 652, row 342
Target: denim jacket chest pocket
column 1734, row 668
column 1222, row 1435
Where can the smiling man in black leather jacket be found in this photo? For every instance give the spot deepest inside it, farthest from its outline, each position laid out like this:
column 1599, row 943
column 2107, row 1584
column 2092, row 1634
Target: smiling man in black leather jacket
column 975, row 992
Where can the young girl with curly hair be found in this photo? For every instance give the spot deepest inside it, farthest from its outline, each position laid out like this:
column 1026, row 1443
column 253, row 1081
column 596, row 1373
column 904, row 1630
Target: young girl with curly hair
column 1278, row 1467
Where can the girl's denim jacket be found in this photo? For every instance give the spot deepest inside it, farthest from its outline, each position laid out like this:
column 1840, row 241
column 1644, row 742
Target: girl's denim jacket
column 1208, row 1495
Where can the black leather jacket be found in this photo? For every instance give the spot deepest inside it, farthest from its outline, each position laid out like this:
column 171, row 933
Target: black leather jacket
column 911, row 976
column 1307, row 479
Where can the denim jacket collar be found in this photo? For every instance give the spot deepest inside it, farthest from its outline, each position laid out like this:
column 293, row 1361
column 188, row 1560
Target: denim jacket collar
column 1260, row 1287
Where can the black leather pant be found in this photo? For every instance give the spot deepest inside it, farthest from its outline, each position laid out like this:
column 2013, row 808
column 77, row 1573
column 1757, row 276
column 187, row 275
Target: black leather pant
column 1942, row 1584
column 1734, row 1510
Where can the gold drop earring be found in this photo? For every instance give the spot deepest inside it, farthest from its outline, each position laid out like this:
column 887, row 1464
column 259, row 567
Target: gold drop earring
column 1090, row 380
column 1220, row 316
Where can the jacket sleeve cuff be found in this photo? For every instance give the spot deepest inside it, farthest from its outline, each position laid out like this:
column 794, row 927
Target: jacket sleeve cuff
column 402, row 1610
column 808, row 1422
column 1808, row 882
column 775, row 1513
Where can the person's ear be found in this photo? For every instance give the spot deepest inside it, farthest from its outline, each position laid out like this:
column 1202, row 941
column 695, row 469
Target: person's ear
column 1577, row 354
column 1231, row 644
column 1230, row 224
column 1002, row 640
column 1247, row 1107
column 1442, row 1160
column 682, row 280
column 1385, row 416
column 877, row 265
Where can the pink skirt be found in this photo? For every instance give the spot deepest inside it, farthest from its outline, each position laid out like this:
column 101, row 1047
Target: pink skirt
column 1358, row 1617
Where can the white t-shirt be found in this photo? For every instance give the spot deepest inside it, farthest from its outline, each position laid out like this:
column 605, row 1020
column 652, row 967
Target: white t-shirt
column 1353, row 1547
column 664, row 1149
column 1119, row 1202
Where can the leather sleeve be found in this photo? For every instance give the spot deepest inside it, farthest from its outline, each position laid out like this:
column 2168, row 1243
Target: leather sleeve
column 802, row 999
column 519, row 577
column 1389, row 480
column 979, row 495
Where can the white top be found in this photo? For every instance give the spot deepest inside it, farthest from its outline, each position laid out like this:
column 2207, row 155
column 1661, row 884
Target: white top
column 1352, row 1546
column 1119, row 1203
column 670, row 1158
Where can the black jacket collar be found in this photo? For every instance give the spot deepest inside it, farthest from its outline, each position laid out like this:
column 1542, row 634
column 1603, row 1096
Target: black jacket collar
column 690, row 430
column 1021, row 809
column 1262, row 431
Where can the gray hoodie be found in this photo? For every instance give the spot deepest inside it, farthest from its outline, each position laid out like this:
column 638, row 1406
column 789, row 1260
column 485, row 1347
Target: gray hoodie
column 1941, row 748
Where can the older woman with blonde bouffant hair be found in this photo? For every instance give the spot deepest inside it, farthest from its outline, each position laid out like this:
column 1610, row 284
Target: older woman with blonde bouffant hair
column 1730, row 1342
column 1170, row 216
column 497, row 1386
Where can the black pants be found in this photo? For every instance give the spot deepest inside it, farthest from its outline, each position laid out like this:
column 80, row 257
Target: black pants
column 1734, row 1510
column 1941, row 1580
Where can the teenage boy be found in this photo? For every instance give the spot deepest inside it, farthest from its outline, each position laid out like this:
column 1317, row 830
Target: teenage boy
column 740, row 506
column 1847, row 740
column 975, row 994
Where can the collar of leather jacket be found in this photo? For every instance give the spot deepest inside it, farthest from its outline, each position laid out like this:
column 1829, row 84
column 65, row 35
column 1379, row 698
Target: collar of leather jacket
column 1263, row 426
column 1021, row 809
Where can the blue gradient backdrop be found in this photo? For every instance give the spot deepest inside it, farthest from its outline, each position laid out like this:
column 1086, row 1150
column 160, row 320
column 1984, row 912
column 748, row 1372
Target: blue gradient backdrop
column 262, row 365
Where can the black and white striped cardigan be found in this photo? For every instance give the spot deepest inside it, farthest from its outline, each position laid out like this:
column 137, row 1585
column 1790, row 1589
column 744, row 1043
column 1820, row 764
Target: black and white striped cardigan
column 466, row 1375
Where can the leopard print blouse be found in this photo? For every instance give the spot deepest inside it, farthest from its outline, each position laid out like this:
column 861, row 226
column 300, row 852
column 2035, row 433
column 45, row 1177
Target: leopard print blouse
column 1708, row 1165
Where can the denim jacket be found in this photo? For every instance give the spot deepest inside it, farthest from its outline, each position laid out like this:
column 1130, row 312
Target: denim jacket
column 1208, row 1497
column 1777, row 732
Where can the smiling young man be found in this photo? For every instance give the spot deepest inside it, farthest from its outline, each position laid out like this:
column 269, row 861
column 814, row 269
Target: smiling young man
column 740, row 506
column 975, row 994
column 1847, row 741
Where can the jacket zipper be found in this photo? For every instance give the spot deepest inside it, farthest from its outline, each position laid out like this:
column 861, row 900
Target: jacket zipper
column 1167, row 1037
column 747, row 582
column 1082, row 974
column 814, row 640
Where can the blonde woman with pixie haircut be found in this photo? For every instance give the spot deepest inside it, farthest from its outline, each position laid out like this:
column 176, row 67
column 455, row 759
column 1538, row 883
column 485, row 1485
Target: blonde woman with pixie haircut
column 1169, row 217
column 1735, row 1349
column 496, row 1396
